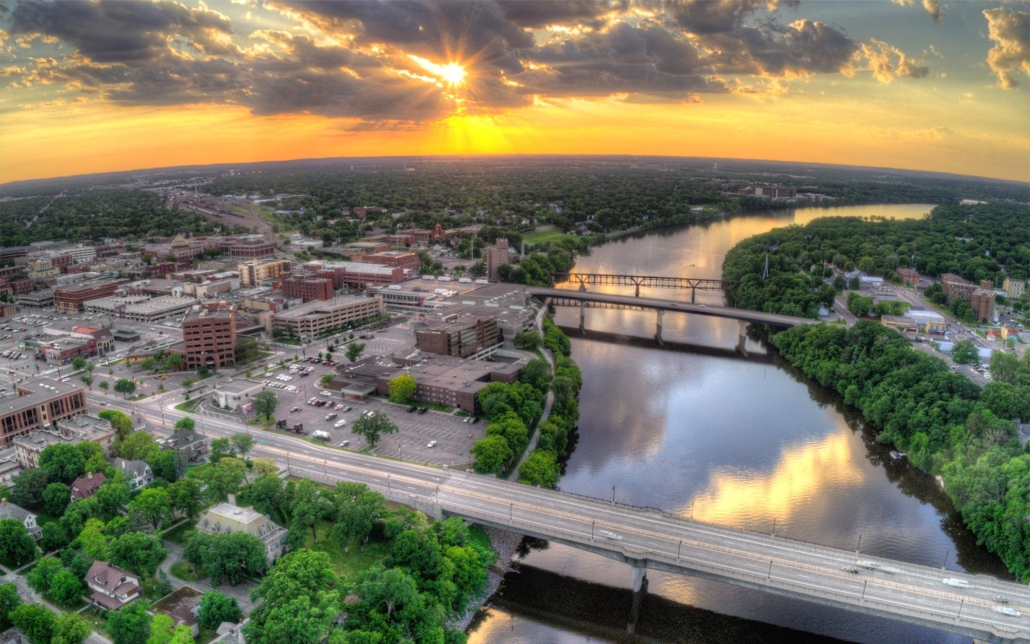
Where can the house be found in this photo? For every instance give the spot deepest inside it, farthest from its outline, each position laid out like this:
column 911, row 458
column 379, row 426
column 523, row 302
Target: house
column 137, row 473
column 229, row 633
column 228, row 517
column 14, row 636
column 187, row 442
column 112, row 588
column 85, row 486
column 10, row 468
column 185, row 614
column 9, row 510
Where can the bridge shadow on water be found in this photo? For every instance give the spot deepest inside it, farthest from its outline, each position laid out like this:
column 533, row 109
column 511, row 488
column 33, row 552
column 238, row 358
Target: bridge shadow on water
column 667, row 345
column 604, row 612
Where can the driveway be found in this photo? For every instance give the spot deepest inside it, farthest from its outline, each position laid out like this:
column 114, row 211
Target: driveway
column 240, row 592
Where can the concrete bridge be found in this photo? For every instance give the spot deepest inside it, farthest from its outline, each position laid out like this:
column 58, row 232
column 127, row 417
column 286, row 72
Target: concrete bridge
column 582, row 299
column 648, row 281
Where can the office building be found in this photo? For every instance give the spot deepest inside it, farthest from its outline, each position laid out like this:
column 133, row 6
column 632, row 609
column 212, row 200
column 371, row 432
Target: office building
column 310, row 320
column 209, row 337
column 34, row 299
column 254, row 272
column 496, row 256
column 72, row 299
column 358, row 274
column 37, row 405
column 1014, row 288
column 308, row 288
column 982, row 301
column 394, row 259
column 461, row 335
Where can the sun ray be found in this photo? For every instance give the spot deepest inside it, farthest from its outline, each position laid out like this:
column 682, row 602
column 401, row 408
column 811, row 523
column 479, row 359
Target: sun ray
column 453, row 74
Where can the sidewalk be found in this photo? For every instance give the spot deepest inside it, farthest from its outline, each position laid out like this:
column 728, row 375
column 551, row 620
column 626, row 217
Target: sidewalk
column 549, row 401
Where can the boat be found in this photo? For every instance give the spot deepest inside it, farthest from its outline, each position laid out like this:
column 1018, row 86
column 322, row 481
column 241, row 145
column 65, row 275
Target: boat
column 896, row 455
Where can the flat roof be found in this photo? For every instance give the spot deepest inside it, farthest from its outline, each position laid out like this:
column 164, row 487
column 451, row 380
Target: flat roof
column 40, row 391
column 163, row 303
column 321, row 306
column 238, row 386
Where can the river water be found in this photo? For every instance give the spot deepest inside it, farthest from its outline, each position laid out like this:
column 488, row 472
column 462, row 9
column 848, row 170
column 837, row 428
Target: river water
column 699, row 430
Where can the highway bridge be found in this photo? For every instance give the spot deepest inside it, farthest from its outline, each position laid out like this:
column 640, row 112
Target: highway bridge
column 647, row 281
column 972, row 605
column 582, row 299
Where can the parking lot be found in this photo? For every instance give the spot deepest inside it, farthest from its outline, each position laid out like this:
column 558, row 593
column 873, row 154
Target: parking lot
column 415, row 431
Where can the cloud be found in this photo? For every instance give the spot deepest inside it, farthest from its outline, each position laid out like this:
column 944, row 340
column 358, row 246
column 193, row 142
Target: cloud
column 933, row 7
column 1008, row 31
column 879, row 56
column 536, row 14
column 703, row 17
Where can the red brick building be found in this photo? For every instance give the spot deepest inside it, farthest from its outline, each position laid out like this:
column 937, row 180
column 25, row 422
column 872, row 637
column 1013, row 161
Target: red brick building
column 394, row 259
column 38, row 405
column 209, row 337
column 308, row 288
column 72, row 298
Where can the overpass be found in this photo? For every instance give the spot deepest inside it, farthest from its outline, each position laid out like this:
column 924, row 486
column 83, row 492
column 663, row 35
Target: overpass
column 646, row 539
column 582, row 299
column 648, row 281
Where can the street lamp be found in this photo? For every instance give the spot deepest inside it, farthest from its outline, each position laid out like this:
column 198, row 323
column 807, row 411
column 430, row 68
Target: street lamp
column 511, row 512
column 613, row 495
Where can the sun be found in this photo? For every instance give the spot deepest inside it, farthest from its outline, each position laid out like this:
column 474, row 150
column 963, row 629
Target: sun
column 452, row 73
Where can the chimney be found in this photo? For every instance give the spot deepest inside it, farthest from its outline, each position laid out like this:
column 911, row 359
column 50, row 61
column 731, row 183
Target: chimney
column 232, row 499
column 3, row 502
column 90, row 475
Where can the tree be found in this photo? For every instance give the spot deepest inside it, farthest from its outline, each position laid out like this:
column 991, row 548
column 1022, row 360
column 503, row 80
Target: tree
column 17, row 547
column 66, row 587
column 373, row 427
column 172, row 362
column 511, row 427
column 87, row 379
column 56, row 497
column 265, row 467
column 184, row 496
column 42, row 574
column 112, row 496
column 232, row 558
column 354, row 351
column 965, row 352
column 402, row 388
column 9, row 600
column 265, row 403
column 492, row 454
column 125, row 387
column 241, row 443
column 226, row 477
column 104, row 385
column 148, row 364
column 185, row 423
column 161, row 629
column 216, row 608
column 118, row 420
column 357, row 510
column 308, row 507
column 267, row 495
column 141, row 553
column 131, row 624
column 93, row 540
column 29, row 487
column 301, row 598
column 527, row 340
column 155, row 504
column 62, row 462
column 79, row 363
column 70, row 629
column 1004, row 366
column 35, row 621
column 220, row 448
column 136, row 446
column 537, row 372
column 540, row 468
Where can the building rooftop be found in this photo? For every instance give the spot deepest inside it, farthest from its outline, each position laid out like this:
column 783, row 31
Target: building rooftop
column 84, row 286
column 238, row 386
column 200, row 313
column 35, row 393
column 322, row 306
column 159, row 305
column 9, row 510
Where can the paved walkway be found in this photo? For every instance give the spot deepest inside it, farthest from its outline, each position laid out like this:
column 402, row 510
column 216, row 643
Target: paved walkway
column 240, row 592
column 549, row 402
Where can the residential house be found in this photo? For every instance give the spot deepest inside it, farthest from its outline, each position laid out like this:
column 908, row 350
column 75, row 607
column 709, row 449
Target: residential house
column 137, row 473
column 10, row 468
column 112, row 588
column 228, row 517
column 9, row 510
column 229, row 633
column 85, row 486
column 192, row 445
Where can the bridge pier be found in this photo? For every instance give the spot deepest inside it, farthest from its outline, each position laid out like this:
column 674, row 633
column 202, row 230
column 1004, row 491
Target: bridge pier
column 658, row 332
column 693, row 292
column 582, row 318
column 639, row 593
column 638, row 289
column 742, row 337
column 582, row 286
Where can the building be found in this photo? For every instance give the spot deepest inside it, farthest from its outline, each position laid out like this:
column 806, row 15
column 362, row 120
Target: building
column 228, row 517
column 209, row 337
column 955, row 286
column 247, row 247
column 982, row 301
column 357, row 250
column 137, row 473
column 310, row 320
column 111, row 587
column 254, row 272
column 86, row 486
column 38, row 404
column 10, row 468
column 72, row 299
column 192, row 445
column 36, row 299
column 139, row 308
column 9, row 510
column 1015, row 288
column 229, row 633
column 68, row 432
column 928, row 321
column 909, row 277
column 358, row 274
column 394, row 259
column 496, row 256
column 236, row 394
column 308, row 288
column 460, row 335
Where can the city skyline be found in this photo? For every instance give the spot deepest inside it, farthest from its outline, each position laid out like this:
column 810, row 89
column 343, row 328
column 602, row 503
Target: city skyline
column 115, row 86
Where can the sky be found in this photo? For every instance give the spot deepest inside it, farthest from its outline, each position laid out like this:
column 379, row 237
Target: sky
column 129, row 84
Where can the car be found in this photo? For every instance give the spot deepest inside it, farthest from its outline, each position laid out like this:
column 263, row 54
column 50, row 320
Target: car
column 423, row 410
column 412, row 408
column 326, row 393
column 608, row 534
column 339, row 406
column 340, row 423
column 344, row 443
column 431, row 444
column 851, row 569
column 475, row 420
column 466, row 419
column 330, row 416
column 347, row 408
column 103, row 403
column 295, row 409
column 305, row 373
column 330, row 363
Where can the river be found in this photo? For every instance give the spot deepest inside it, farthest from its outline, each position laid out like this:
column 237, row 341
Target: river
column 748, row 443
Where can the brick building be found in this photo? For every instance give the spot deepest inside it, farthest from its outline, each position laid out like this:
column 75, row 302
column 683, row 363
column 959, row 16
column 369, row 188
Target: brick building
column 254, row 272
column 248, row 247
column 72, row 299
column 394, row 259
column 909, row 277
column 358, row 274
column 71, row 431
column 315, row 318
column 38, row 404
column 982, row 301
column 209, row 337
column 496, row 256
column 308, row 288
column 459, row 336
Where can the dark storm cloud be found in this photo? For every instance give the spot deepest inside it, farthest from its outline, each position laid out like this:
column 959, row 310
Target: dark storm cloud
column 536, row 14
column 717, row 16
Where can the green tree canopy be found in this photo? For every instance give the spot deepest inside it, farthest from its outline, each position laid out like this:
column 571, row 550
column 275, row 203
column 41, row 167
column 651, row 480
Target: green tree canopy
column 402, row 388
column 373, row 427
column 301, row 598
column 17, row 547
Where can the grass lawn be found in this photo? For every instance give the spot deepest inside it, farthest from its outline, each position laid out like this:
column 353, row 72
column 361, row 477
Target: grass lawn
column 547, row 234
column 180, row 534
column 184, row 571
column 347, row 564
column 188, row 405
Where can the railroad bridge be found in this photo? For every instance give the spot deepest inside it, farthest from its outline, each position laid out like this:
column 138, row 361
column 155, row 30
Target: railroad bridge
column 648, row 281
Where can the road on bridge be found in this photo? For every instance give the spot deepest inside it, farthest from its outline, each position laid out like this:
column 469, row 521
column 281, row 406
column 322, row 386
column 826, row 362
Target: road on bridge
column 966, row 604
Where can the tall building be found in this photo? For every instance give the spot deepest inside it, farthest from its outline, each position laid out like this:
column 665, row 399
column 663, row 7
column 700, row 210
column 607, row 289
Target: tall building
column 308, row 288
column 72, row 299
column 982, row 301
column 254, row 272
column 394, row 259
column 209, row 337
column 38, row 404
column 1015, row 288
column 459, row 336
column 496, row 256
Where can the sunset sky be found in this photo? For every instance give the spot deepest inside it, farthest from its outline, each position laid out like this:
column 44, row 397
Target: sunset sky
column 920, row 84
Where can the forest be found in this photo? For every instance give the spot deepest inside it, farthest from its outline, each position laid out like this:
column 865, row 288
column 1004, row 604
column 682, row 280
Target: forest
column 946, row 424
column 983, row 241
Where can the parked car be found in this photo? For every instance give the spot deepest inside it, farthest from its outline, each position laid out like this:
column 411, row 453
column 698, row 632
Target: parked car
column 326, row 393
column 295, row 409
column 330, row 416
column 431, row 444
column 412, row 408
column 340, row 423
column 423, row 410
